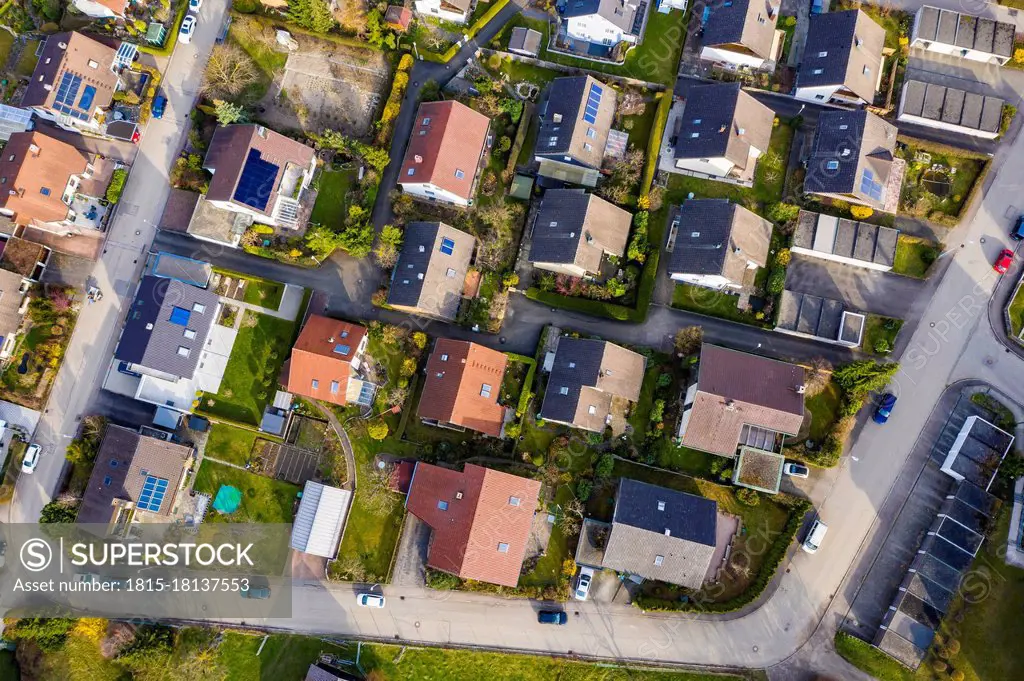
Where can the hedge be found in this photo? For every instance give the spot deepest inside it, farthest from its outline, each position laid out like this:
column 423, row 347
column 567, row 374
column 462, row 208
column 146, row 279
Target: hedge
column 477, row 26
column 172, row 35
column 654, row 143
column 116, row 186
column 769, row 567
column 524, row 394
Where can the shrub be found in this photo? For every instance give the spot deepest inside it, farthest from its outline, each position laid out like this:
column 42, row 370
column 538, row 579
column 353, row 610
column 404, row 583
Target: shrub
column 777, row 281
column 957, row 675
column 513, row 430
column 419, row 339
column 783, row 258
column 861, row 212
column 408, row 367
column 603, row 467
column 116, row 186
column 378, row 430
column 882, row 346
column 538, row 459
column 781, row 213
column 504, row 144
column 584, row 488
column 748, row 497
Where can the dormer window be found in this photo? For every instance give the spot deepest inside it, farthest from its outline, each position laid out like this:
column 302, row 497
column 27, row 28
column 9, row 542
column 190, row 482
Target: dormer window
column 459, row 174
column 426, row 121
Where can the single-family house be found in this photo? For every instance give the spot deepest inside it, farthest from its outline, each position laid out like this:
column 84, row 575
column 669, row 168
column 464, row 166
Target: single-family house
column 842, row 60
column 718, row 244
column 853, row 158
column 574, row 231
column 604, row 22
column 48, row 184
column 430, row 276
column 136, row 478
column 398, row 18
column 741, row 399
column 259, row 173
column 480, row 520
column 575, row 120
column 327, row 363
column 462, row 388
column 455, row 11
column 946, row 108
column 525, row 41
column 171, row 345
column 591, row 384
column 446, row 153
column 661, row 534
column 963, row 35
column 739, row 32
column 13, row 305
column 73, row 82
column 101, row 9
column 721, row 132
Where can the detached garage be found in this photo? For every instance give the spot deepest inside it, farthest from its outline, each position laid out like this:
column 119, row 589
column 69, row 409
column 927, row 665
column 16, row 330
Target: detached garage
column 320, row 520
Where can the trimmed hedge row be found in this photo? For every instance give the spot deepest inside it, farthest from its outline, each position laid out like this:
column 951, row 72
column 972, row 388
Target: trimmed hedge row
column 769, row 567
column 654, row 143
column 524, row 394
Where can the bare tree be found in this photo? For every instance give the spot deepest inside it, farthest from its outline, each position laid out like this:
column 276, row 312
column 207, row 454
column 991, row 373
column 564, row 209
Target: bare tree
column 688, row 340
column 379, row 498
column 819, row 373
column 228, row 72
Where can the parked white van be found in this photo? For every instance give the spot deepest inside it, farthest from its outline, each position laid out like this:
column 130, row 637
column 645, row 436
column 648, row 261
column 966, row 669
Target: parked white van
column 814, row 538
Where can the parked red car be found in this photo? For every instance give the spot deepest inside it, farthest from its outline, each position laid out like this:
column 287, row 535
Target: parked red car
column 1004, row 261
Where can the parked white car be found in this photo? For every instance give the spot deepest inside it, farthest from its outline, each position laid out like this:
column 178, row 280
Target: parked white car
column 796, row 470
column 188, row 28
column 31, row 460
column 815, row 537
column 583, row 584
column 194, row 5
column 370, row 600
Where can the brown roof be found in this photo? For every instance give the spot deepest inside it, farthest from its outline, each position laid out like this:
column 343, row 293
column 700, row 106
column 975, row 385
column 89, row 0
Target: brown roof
column 124, row 461
column 736, row 389
column 34, row 170
column 229, row 151
column 398, row 17
column 324, row 353
column 482, row 531
column 452, row 140
column 457, row 374
column 78, row 55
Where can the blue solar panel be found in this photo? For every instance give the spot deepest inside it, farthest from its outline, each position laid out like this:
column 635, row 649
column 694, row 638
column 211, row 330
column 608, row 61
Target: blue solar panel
column 257, row 181
column 593, row 102
column 447, row 246
column 153, row 491
column 85, row 103
column 870, row 186
column 180, row 316
column 68, row 89
column 342, row 349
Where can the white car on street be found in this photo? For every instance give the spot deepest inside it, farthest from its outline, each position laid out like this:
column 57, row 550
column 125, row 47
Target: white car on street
column 188, row 27
column 370, row 600
column 194, row 5
column 31, row 459
column 583, row 582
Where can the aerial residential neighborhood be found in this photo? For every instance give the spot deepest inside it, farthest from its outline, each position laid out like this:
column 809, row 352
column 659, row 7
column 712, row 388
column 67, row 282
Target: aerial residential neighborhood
column 590, row 339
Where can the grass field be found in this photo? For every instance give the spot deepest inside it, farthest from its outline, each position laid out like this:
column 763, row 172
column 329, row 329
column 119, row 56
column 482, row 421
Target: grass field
column 28, row 60
column 869, row 659
column 914, row 256
column 231, row 444
column 331, row 205
column 262, row 345
column 712, row 303
column 824, row 409
column 1016, row 311
column 264, row 500
column 880, row 334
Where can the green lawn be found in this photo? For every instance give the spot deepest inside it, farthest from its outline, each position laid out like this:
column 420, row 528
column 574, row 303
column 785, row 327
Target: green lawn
column 915, row 255
column 770, row 173
column 264, row 500
column 548, row 572
column 28, row 60
column 8, row 666
column 686, row 460
column 640, row 418
column 1016, row 311
column 258, row 291
column 712, row 303
column 251, row 377
column 283, row 657
column 824, row 409
column 870, row 659
column 951, row 185
column 639, row 127
column 331, row 205
column 880, row 334
column 231, row 444
column 6, row 43
column 251, row 37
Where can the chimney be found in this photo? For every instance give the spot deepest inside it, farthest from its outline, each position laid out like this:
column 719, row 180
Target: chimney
column 740, row 131
column 737, row 250
column 261, row 131
column 556, row 118
column 730, row 405
column 418, row 158
column 62, row 45
column 33, row 149
column 47, row 87
column 722, row 129
column 458, row 495
column 331, row 339
column 668, row 532
column 801, row 389
column 845, row 152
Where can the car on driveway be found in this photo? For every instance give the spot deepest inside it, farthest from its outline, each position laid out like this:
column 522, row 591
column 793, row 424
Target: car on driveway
column 159, row 105
column 552, row 617
column 884, row 408
column 796, row 470
column 369, row 600
column 583, row 584
column 1017, row 233
column 1004, row 261
column 188, row 28
column 31, row 459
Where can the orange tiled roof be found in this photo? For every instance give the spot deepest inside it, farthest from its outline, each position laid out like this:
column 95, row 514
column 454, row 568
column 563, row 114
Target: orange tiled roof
column 323, row 353
column 463, row 386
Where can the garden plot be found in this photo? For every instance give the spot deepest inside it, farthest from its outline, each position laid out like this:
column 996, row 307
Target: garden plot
column 334, row 88
column 286, row 462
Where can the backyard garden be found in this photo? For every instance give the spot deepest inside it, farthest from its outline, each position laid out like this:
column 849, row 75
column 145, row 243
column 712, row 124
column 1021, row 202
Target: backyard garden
column 263, row 499
column 940, row 180
column 915, row 256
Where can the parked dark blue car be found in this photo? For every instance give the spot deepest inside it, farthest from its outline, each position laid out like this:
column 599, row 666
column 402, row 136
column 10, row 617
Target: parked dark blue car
column 884, row 408
column 552, row 617
column 159, row 104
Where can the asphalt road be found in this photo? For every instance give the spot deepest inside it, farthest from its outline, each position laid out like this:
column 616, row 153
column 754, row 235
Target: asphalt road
column 128, row 239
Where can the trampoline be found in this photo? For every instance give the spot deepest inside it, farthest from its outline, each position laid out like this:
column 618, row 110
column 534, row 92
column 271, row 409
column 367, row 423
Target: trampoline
column 228, row 499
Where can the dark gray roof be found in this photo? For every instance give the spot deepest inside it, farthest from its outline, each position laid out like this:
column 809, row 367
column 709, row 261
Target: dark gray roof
column 577, row 364
column 556, row 232
column 846, row 238
column 839, row 45
column 713, row 119
column 718, row 237
column 811, row 315
column 150, row 339
column 417, row 248
column 564, row 98
column 750, row 23
column 846, row 144
column 949, row 105
column 685, row 516
column 420, row 278
column 621, row 13
column 525, row 40
column 980, row 34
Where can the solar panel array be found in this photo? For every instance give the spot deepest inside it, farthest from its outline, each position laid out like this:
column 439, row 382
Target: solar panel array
column 447, row 246
column 257, row 181
column 153, row 492
column 67, row 91
column 593, row 102
column 870, row 186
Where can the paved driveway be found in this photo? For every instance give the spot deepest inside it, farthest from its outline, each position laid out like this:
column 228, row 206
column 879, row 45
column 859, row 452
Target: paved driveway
column 881, row 293
column 410, row 563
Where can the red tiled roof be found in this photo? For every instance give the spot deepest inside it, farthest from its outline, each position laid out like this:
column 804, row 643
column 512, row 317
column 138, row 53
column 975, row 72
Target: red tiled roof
column 314, row 358
column 483, row 534
column 453, row 140
column 398, row 17
column 30, row 164
column 457, row 372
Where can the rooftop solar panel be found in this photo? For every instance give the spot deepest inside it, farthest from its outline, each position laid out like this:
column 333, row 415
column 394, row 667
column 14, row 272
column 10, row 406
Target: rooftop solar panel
column 257, row 181
column 180, row 316
column 153, row 491
column 85, row 103
column 447, row 246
